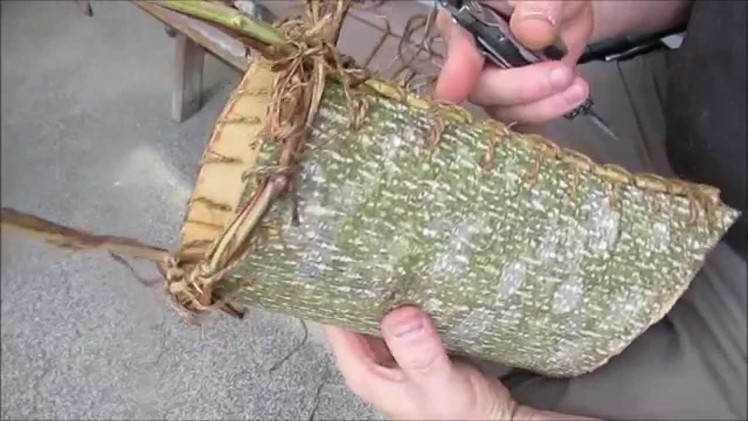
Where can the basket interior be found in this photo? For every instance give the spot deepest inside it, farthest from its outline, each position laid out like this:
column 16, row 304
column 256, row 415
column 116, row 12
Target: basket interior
column 232, row 151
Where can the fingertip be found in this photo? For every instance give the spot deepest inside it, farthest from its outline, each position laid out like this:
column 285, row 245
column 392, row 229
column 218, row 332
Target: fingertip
column 461, row 68
column 343, row 342
column 546, row 109
column 415, row 344
column 534, row 33
column 560, row 76
column 332, row 331
column 407, row 326
column 354, row 359
column 508, row 87
column 534, row 24
column 444, row 24
column 577, row 92
column 393, row 322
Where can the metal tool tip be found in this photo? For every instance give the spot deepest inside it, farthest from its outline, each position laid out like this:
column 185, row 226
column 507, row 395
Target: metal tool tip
column 599, row 122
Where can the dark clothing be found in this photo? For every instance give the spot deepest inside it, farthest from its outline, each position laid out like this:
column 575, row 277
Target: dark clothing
column 706, row 106
column 680, row 113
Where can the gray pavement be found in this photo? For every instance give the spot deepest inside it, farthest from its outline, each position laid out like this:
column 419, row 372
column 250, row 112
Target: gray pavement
column 87, row 140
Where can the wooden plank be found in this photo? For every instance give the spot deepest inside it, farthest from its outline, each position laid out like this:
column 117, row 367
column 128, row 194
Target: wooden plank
column 189, row 58
column 211, row 38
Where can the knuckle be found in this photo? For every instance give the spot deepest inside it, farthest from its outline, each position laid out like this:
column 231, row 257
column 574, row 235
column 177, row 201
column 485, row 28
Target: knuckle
column 532, row 83
column 423, row 364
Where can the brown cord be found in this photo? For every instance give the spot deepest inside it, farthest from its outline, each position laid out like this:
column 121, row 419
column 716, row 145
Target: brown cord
column 378, row 46
column 414, row 24
column 297, row 91
column 240, row 120
column 216, row 158
column 253, row 92
column 213, row 205
column 488, row 161
column 434, row 135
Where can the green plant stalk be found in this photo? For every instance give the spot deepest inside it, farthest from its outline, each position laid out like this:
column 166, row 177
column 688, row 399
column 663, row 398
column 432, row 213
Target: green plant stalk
column 230, row 18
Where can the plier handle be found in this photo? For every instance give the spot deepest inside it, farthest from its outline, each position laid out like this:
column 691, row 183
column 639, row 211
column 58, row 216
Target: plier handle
column 493, row 36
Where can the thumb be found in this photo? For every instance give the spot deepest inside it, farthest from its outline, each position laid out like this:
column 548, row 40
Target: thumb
column 416, row 346
column 535, row 23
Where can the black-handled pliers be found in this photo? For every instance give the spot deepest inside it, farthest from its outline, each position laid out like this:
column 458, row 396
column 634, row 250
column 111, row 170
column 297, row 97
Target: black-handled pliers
column 495, row 41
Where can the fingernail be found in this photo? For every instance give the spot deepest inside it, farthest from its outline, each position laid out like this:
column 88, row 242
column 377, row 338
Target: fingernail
column 539, row 17
column 559, row 77
column 408, row 328
column 575, row 94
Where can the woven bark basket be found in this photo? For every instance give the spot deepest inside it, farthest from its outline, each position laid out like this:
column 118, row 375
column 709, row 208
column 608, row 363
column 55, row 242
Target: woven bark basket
column 523, row 253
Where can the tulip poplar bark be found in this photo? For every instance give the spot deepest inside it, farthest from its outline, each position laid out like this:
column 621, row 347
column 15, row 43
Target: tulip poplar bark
column 520, row 256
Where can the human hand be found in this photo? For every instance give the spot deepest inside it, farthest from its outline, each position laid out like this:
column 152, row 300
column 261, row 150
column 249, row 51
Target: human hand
column 408, row 374
column 531, row 94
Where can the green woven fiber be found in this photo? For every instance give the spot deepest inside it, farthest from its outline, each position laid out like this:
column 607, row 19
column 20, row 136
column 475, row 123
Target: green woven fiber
column 529, row 273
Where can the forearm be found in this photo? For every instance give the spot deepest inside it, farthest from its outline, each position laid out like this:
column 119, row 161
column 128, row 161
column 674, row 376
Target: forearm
column 531, row 414
column 617, row 17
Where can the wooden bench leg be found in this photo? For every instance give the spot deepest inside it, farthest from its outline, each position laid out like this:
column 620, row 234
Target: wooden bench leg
column 188, row 78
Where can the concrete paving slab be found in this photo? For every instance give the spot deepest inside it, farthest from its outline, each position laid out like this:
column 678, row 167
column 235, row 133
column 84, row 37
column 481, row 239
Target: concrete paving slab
column 87, row 140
